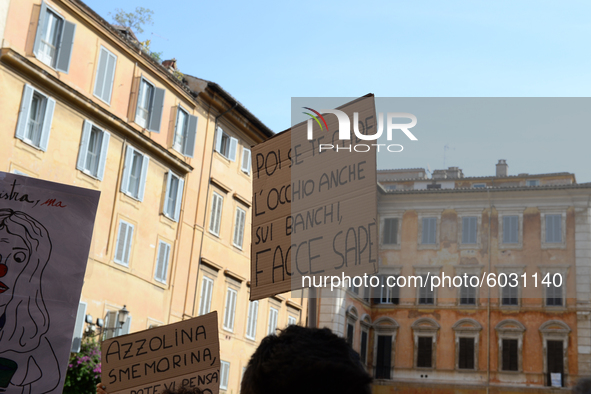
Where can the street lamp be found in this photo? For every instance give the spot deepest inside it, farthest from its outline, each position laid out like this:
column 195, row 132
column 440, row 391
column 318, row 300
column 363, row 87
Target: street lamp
column 122, row 316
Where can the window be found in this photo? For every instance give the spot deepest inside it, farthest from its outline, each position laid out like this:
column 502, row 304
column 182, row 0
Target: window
column 239, row 227
column 426, row 294
column 479, row 185
column 226, row 145
column 553, row 293
column 469, row 230
column 105, row 74
column 468, row 292
column 245, row 167
column 162, row 262
column 532, row 182
column 251, row 323
column 510, row 355
column 511, row 229
column 224, row 374
column 272, row 321
column 79, row 327
column 133, row 182
column 390, row 233
column 350, row 333
column 555, row 336
column 123, row 245
column 363, row 347
column 425, row 352
column 510, row 295
column 94, row 145
column 384, row 357
column 510, row 342
column 230, row 310
column 54, row 39
column 389, row 293
column 185, row 131
column 206, row 290
column 112, row 327
column 291, row 321
column 555, row 362
column 429, row 231
column 150, row 102
column 466, row 353
column 174, row 196
column 216, row 214
column 34, row 121
column 553, row 228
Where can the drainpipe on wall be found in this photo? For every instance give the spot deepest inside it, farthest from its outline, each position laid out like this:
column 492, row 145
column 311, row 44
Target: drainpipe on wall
column 490, row 207
column 215, row 127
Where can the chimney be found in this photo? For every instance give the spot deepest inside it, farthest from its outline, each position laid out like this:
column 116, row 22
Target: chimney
column 502, row 168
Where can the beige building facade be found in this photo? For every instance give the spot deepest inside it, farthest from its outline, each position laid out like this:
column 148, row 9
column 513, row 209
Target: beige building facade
column 83, row 105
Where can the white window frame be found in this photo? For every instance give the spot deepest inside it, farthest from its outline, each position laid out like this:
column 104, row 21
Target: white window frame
column 127, row 243
column 246, row 161
column 206, row 295
column 230, row 309
column 224, row 374
column 125, row 179
column 225, row 144
column 101, row 160
column 172, row 209
column 54, row 61
column 239, row 225
column 502, row 213
column 273, row 316
column 107, row 82
column 185, row 134
column 45, row 113
column 217, row 205
column 251, row 324
column 553, row 211
column 510, row 329
column 161, row 271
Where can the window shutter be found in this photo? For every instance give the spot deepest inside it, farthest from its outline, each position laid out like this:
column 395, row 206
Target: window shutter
column 50, row 106
column 179, row 199
column 128, row 240
column 109, row 78
column 86, row 128
column 145, row 161
column 99, row 83
column 126, row 326
column 79, row 328
column 23, row 116
column 189, row 148
column 120, row 245
column 65, row 48
column 156, row 110
column 110, row 324
column 218, row 139
column 246, row 160
column 233, row 147
column 40, row 28
column 103, row 158
column 127, row 169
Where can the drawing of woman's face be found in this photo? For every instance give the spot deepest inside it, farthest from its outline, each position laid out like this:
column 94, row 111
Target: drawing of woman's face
column 14, row 256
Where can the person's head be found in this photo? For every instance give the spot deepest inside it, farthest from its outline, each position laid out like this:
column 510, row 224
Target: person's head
column 583, row 386
column 305, row 360
column 25, row 249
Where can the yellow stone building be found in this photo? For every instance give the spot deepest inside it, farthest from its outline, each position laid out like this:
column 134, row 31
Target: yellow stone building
column 82, row 105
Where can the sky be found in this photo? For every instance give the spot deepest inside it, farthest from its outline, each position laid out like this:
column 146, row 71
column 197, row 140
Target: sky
column 266, row 52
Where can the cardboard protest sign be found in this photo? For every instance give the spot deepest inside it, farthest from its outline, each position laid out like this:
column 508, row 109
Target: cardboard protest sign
column 186, row 353
column 45, row 235
column 314, row 210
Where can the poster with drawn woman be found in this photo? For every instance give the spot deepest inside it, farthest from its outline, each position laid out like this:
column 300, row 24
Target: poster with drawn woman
column 45, row 236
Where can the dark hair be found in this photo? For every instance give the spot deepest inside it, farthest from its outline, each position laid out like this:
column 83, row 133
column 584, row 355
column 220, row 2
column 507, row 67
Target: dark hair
column 583, row 386
column 305, row 360
column 183, row 390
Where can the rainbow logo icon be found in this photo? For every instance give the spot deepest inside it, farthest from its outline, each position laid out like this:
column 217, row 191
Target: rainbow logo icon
column 315, row 118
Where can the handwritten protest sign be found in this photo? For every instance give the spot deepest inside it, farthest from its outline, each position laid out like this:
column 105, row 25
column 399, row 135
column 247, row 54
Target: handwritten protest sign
column 314, row 212
column 186, row 354
column 45, row 235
